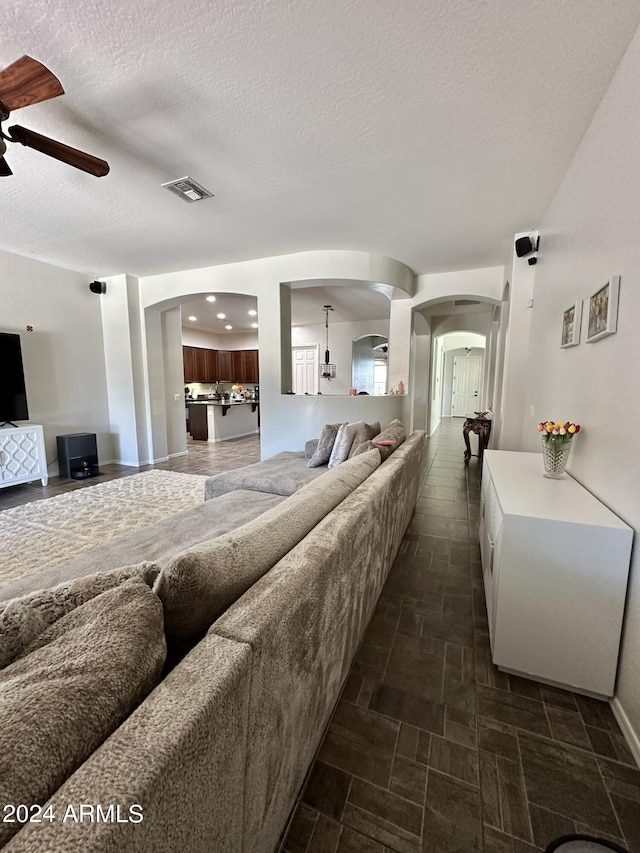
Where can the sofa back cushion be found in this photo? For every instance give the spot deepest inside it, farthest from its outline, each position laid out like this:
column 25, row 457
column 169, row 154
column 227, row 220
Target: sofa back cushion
column 364, row 433
column 390, row 439
column 342, row 444
column 22, row 620
column 199, row 584
column 322, row 453
column 72, row 687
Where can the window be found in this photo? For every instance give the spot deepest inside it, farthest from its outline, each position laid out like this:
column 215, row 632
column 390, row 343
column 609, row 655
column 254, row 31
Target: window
column 380, row 376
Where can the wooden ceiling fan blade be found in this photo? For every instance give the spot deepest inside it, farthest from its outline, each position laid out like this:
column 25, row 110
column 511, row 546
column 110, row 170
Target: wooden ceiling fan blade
column 27, row 81
column 5, row 171
column 64, row 153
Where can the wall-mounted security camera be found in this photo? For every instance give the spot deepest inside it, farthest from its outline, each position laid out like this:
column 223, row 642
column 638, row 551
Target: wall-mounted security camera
column 98, row 287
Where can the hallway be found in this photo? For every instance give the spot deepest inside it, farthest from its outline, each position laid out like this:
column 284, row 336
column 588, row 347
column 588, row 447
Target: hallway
column 433, row 750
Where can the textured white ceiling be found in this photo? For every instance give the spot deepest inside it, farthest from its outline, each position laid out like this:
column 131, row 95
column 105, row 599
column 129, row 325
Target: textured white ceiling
column 427, row 131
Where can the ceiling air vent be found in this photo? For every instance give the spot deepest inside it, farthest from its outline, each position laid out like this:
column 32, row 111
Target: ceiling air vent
column 188, row 189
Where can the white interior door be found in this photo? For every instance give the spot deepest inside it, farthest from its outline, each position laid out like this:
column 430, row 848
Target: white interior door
column 305, row 370
column 467, row 376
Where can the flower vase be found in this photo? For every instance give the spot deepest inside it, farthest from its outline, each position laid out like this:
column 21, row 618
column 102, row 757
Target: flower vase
column 555, row 455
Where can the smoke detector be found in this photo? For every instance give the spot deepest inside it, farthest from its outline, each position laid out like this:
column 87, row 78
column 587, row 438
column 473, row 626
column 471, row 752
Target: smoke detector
column 188, row 189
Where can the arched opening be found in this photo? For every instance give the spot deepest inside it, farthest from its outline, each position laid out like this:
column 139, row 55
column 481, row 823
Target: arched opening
column 369, row 364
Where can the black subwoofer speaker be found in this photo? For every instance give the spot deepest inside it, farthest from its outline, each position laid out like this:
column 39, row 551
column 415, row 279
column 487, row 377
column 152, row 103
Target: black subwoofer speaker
column 78, row 455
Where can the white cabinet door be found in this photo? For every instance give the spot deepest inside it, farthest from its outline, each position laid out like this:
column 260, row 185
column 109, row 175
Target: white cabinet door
column 22, row 456
column 555, row 565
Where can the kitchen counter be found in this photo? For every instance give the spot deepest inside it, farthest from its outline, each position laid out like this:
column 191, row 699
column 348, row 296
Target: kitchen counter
column 208, row 421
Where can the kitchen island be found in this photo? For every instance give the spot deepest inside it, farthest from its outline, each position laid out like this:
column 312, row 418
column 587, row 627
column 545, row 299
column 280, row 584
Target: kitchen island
column 211, row 420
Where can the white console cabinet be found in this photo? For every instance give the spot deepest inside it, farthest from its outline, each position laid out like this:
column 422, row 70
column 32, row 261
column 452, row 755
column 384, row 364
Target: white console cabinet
column 22, row 456
column 555, row 563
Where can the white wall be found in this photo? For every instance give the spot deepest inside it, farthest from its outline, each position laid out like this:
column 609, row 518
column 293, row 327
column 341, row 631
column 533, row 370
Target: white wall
column 590, row 232
column 285, row 421
column 63, row 356
column 211, row 340
column 341, row 337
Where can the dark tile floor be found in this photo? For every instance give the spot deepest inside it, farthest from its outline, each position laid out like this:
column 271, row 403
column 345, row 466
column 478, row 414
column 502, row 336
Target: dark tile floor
column 202, row 458
column 431, row 748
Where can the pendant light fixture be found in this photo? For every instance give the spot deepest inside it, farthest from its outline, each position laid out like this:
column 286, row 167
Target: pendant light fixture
column 327, row 370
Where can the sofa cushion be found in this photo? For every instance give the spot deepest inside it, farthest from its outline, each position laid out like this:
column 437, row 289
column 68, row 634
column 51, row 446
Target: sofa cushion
column 158, row 542
column 365, row 432
column 72, row 687
column 282, row 474
column 390, row 438
column 199, row 584
column 324, row 448
column 22, row 620
column 342, row 444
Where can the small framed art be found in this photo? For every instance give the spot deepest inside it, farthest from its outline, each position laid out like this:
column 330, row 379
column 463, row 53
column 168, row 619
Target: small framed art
column 571, row 322
column 603, row 310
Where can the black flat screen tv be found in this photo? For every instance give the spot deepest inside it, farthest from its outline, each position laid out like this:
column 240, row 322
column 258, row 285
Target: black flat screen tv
column 13, row 394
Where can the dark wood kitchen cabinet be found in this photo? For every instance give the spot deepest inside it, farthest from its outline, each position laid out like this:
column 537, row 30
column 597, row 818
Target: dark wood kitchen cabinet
column 210, row 365
column 189, row 364
column 251, row 368
column 225, row 366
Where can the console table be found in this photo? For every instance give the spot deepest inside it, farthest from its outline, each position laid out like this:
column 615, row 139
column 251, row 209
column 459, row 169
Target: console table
column 481, row 426
column 555, row 564
column 22, row 456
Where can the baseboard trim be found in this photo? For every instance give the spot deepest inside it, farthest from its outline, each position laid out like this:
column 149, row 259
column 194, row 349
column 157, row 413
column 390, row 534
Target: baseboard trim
column 630, row 735
column 179, row 453
column 231, row 437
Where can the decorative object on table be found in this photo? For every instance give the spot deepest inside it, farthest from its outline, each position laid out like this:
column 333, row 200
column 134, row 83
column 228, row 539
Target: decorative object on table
column 571, row 322
column 481, row 426
column 556, row 446
column 582, row 844
column 603, row 310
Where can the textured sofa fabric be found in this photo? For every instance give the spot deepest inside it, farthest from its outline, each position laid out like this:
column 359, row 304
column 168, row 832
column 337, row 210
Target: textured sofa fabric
column 181, row 755
column 158, row 542
column 282, row 474
column 22, row 620
column 217, row 752
column 390, row 438
column 199, row 584
column 303, row 621
column 364, row 433
column 324, row 446
column 72, row 687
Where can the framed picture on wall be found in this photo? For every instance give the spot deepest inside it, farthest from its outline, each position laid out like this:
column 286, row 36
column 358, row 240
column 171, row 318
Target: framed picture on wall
column 571, row 322
column 603, row 310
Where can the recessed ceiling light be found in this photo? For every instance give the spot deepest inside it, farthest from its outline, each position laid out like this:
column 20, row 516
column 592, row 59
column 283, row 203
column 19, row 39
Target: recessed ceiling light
column 211, row 299
column 252, row 312
column 221, row 316
column 228, row 326
column 254, row 325
column 192, row 318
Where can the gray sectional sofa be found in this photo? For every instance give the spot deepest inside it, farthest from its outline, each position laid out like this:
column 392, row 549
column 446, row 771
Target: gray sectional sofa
column 265, row 595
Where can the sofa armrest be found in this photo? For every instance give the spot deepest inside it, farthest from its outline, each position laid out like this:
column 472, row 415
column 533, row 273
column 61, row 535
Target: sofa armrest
column 310, row 447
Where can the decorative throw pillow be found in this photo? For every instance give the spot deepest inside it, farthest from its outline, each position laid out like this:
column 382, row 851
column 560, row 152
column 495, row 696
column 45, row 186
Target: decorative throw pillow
column 73, row 687
column 23, row 619
column 365, row 447
column 322, row 452
column 343, row 442
column 202, row 582
column 365, row 432
column 390, row 438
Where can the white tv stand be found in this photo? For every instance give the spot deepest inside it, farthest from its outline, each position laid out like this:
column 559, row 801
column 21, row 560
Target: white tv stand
column 555, row 562
column 22, row 455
